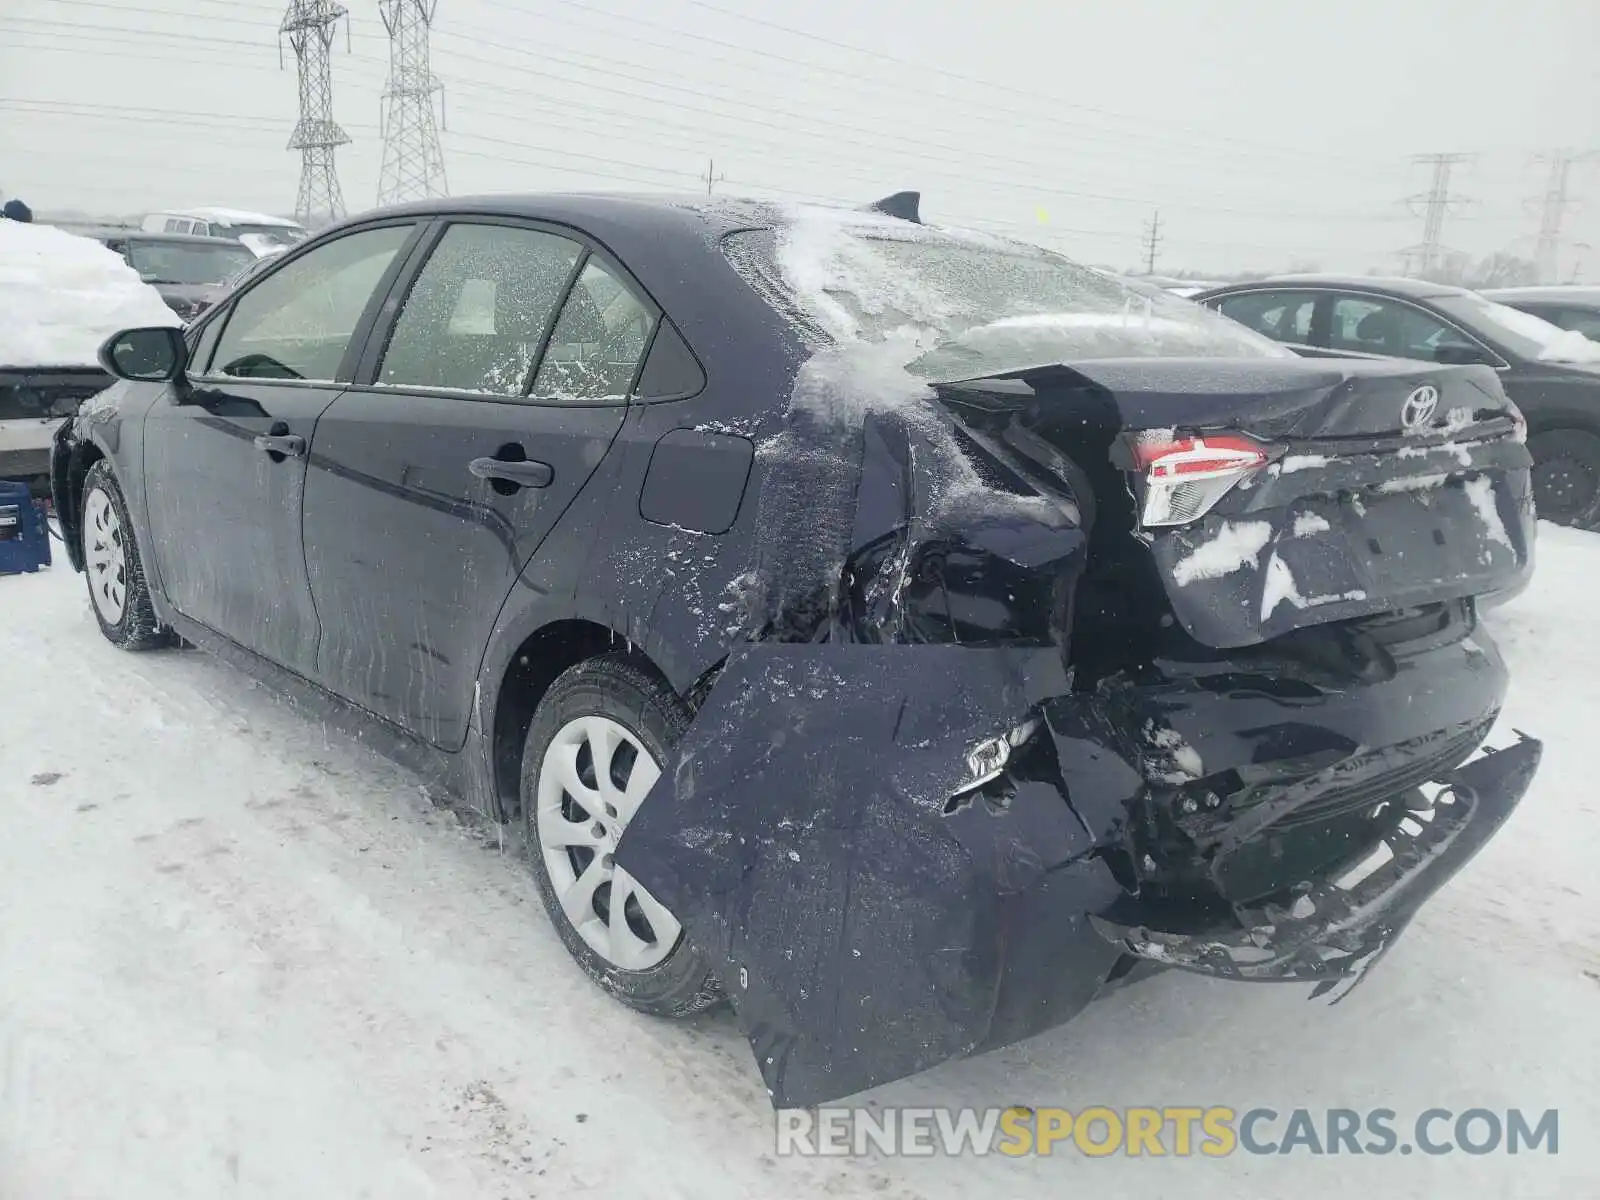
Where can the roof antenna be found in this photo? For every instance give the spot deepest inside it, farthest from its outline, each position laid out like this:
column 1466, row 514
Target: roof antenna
column 902, row 205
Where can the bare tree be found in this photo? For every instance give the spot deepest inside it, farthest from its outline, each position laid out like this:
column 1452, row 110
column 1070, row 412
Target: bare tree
column 1504, row 269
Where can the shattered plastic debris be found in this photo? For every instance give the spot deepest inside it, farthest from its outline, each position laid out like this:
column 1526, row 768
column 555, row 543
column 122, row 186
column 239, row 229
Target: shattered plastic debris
column 1236, row 545
column 1183, row 758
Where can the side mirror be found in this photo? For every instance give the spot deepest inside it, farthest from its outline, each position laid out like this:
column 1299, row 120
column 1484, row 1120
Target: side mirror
column 1461, row 356
column 153, row 355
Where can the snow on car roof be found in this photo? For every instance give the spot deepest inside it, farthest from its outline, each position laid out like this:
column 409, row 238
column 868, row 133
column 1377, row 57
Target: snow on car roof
column 237, row 216
column 61, row 295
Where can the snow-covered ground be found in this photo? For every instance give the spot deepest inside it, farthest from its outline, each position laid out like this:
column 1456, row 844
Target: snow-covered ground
column 243, row 957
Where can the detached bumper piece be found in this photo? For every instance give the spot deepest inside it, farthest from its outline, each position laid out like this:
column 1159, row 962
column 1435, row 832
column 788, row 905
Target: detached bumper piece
column 1329, row 933
column 872, row 905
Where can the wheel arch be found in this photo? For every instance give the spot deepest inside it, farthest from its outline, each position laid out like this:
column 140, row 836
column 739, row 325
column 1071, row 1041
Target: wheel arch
column 74, row 463
column 532, row 665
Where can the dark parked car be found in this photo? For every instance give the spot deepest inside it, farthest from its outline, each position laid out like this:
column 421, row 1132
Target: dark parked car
column 1557, row 389
column 1566, row 307
column 905, row 634
column 190, row 272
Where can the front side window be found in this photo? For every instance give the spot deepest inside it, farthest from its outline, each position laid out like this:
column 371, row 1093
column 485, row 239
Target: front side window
column 1370, row 325
column 480, row 306
column 297, row 323
column 598, row 341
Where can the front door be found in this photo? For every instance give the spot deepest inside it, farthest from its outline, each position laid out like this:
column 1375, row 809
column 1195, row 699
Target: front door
column 432, row 484
column 225, row 457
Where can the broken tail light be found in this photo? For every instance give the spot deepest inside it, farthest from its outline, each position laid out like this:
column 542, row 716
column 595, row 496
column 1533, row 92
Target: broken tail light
column 1185, row 476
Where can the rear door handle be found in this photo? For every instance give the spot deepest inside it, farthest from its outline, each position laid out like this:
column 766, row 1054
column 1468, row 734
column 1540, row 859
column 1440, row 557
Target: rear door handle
column 522, row 474
column 291, row 445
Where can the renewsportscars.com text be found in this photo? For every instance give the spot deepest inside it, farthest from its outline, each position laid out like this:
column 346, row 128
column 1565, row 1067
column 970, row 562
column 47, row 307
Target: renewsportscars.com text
column 1178, row 1131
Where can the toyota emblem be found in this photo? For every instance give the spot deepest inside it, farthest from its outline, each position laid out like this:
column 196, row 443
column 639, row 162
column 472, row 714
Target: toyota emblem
column 1418, row 408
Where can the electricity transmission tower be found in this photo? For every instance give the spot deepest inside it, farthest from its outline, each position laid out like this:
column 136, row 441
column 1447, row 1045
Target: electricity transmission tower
column 1437, row 201
column 309, row 26
column 1553, row 208
column 1152, row 239
column 413, row 162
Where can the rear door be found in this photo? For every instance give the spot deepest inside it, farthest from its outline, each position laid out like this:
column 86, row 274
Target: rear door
column 1283, row 316
column 479, row 416
column 225, row 459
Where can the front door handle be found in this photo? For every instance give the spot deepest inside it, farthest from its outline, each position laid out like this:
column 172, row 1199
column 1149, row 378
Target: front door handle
column 280, row 443
column 518, row 473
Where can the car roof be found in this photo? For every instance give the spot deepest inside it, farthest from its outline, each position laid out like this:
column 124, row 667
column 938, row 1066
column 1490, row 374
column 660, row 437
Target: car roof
column 226, row 216
column 718, row 214
column 143, row 235
column 1554, row 294
column 1394, row 285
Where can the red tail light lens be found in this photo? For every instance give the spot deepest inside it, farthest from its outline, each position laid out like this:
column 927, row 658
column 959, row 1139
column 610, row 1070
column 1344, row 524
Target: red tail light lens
column 1185, row 477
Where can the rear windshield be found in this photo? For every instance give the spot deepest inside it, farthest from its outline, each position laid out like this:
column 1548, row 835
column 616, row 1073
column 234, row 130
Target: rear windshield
column 970, row 305
column 187, row 262
column 1523, row 333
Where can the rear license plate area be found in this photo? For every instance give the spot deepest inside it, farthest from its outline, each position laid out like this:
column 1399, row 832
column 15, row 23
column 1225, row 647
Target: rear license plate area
column 1405, row 539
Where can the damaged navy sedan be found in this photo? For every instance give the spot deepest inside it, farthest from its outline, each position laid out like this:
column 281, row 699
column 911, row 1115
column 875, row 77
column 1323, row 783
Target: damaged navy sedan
column 899, row 631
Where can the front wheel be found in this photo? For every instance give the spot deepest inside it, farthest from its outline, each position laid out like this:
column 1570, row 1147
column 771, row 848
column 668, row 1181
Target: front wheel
column 596, row 747
column 118, row 590
column 1566, row 476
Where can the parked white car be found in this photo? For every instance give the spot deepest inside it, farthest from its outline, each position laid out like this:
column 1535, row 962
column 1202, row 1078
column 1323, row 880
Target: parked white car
column 263, row 233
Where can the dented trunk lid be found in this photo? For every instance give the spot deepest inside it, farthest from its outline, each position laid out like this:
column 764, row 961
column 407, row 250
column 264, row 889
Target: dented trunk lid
column 1383, row 485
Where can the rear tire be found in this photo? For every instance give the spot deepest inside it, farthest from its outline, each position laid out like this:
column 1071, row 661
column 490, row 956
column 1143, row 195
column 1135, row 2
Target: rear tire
column 118, row 590
column 600, row 737
column 1566, row 476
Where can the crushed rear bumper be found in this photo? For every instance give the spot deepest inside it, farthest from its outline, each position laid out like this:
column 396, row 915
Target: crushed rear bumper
column 874, row 910
column 1331, row 931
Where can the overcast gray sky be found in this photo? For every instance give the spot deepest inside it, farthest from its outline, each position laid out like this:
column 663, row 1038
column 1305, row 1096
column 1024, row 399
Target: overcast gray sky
column 1267, row 132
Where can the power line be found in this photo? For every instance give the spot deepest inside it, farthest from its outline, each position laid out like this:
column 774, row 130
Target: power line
column 1040, row 101
column 806, row 126
column 309, row 26
column 413, row 161
column 560, row 160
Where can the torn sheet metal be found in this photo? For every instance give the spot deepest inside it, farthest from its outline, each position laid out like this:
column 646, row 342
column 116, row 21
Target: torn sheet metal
column 869, row 916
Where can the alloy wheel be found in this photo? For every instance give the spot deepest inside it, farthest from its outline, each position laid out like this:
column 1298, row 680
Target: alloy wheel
column 594, row 775
column 105, row 556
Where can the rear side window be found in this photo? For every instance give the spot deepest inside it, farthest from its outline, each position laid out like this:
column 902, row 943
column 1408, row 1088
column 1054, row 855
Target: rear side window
column 297, row 322
column 598, row 341
column 479, row 309
column 1282, row 316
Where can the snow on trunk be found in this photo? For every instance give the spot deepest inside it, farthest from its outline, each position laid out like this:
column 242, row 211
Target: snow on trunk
column 62, row 295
